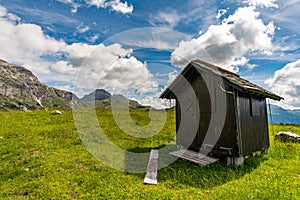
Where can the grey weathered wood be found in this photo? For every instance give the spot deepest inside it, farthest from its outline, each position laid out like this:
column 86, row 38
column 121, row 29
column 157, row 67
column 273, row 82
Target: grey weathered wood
column 240, row 106
column 151, row 175
column 195, row 157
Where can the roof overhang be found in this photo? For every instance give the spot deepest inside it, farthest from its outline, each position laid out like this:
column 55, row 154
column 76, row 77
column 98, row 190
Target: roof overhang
column 233, row 79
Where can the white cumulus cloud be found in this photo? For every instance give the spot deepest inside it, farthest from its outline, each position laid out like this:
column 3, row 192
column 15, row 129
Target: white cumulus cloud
column 228, row 43
column 121, row 7
column 126, row 73
column 97, row 3
column 26, row 43
column 3, row 11
column 56, row 62
column 115, row 5
column 110, row 67
column 286, row 83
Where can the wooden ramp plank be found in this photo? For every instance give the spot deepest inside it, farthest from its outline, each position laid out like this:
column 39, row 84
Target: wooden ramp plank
column 195, row 157
column 151, row 175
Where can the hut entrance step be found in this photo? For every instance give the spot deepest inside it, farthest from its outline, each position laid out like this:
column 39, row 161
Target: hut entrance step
column 195, row 157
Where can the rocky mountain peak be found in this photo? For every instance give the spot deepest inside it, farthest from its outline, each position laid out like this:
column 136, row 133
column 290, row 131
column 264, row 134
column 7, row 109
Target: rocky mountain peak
column 97, row 95
column 15, row 72
column 21, row 89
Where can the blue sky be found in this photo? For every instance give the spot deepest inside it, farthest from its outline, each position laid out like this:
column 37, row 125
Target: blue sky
column 137, row 47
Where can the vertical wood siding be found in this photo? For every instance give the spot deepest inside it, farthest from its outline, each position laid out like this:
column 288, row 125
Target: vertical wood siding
column 247, row 112
column 253, row 122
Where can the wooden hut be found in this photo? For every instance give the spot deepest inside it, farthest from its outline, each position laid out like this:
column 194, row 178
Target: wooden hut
column 231, row 110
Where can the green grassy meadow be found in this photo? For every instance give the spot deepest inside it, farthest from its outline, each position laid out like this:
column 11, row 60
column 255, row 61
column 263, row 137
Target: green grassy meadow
column 42, row 157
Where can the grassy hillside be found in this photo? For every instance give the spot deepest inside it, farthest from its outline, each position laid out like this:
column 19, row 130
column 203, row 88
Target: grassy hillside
column 42, row 157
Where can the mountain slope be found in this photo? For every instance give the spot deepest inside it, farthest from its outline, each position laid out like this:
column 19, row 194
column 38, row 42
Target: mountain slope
column 103, row 100
column 20, row 89
column 97, row 95
column 283, row 116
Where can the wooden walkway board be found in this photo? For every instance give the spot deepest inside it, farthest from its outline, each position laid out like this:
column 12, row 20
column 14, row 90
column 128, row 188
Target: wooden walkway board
column 195, row 157
column 151, row 175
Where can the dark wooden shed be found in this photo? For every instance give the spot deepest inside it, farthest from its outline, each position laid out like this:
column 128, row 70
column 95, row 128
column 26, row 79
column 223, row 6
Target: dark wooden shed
column 232, row 111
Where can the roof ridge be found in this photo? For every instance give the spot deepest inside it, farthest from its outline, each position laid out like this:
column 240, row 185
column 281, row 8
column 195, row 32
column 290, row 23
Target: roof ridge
column 239, row 82
column 198, row 61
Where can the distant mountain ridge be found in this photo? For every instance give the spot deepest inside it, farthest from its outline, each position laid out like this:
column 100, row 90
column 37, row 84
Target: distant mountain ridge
column 278, row 115
column 20, row 89
column 98, row 95
column 102, row 99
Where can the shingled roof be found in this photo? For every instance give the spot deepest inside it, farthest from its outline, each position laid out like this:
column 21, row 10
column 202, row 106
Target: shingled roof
column 237, row 82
